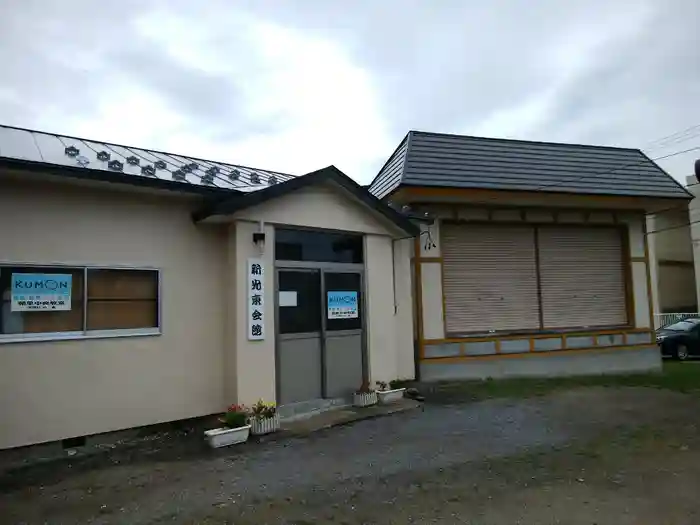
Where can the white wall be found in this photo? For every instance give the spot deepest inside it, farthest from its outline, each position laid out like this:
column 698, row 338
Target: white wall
column 55, row 390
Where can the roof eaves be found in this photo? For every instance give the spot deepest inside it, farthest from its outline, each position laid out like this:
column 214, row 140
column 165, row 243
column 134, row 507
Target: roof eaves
column 76, row 172
column 330, row 173
column 683, row 188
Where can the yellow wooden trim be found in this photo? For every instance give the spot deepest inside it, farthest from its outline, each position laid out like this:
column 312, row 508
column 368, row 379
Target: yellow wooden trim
column 427, row 259
column 495, row 196
column 649, row 286
column 531, row 354
column 498, row 346
column 560, row 335
column 532, row 344
column 563, row 341
column 624, row 338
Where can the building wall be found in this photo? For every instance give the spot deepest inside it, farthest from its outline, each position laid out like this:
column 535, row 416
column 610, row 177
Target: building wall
column 672, row 259
column 438, row 350
column 389, row 329
column 54, row 390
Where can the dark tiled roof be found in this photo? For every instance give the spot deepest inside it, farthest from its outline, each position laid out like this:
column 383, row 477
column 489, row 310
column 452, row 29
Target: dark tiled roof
column 135, row 165
column 452, row 161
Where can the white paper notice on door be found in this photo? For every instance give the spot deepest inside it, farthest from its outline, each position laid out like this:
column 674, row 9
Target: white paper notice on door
column 287, row 298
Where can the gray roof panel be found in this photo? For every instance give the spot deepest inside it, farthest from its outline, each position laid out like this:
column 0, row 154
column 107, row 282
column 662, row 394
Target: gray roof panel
column 453, row 161
column 133, row 164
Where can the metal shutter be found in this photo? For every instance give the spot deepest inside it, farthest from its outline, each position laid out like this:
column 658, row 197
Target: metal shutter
column 490, row 278
column 582, row 277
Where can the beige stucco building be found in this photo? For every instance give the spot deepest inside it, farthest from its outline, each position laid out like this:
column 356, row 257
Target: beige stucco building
column 141, row 287
column 177, row 306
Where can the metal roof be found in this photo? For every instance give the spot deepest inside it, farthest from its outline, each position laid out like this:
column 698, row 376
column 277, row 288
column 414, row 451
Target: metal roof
column 454, row 161
column 130, row 164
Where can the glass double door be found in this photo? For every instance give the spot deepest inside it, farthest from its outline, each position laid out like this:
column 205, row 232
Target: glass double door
column 320, row 341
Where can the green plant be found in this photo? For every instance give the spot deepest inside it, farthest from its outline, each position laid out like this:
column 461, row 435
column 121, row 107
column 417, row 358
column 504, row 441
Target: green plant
column 382, row 386
column 262, row 410
column 236, row 416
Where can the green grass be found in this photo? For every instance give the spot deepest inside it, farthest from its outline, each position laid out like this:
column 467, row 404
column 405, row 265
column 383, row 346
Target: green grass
column 680, row 377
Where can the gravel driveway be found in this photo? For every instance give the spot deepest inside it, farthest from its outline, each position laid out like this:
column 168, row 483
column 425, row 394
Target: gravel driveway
column 383, row 458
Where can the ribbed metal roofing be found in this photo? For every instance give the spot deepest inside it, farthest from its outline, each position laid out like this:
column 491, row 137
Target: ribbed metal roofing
column 65, row 151
column 453, row 161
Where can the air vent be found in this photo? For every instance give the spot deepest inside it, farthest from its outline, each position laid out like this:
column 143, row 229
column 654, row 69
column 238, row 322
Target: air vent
column 115, row 165
column 133, row 160
column 193, row 166
column 103, row 156
column 160, row 165
column 207, row 179
column 179, row 175
column 254, row 178
column 213, row 171
column 148, row 170
column 186, row 168
column 72, row 151
column 234, row 175
column 271, row 180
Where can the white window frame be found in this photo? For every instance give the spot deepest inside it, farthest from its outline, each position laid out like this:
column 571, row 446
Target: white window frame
column 85, row 333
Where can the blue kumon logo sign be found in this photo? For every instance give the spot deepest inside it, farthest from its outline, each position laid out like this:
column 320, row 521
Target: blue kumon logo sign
column 41, row 291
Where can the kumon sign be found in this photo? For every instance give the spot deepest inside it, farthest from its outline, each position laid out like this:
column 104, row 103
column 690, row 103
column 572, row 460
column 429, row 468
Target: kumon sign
column 41, row 291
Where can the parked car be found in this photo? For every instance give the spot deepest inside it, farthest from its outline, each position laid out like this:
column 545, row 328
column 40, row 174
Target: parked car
column 680, row 340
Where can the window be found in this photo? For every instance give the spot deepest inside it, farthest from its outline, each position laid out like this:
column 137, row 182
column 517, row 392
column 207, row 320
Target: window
column 306, row 245
column 79, row 301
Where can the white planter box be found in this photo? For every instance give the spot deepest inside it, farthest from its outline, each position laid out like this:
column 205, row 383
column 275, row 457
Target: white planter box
column 365, row 399
column 223, row 437
column 258, row 427
column 390, row 396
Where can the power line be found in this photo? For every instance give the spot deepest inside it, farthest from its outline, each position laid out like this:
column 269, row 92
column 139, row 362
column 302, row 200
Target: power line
column 675, row 138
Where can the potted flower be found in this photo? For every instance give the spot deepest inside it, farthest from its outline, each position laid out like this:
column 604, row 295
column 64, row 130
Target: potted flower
column 235, row 430
column 387, row 394
column 364, row 396
column 264, row 418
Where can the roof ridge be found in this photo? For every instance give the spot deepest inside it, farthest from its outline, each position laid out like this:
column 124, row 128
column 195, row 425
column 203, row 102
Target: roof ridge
column 73, row 137
column 523, row 141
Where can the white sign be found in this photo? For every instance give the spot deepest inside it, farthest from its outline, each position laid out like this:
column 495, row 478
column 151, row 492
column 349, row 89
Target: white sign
column 342, row 305
column 287, row 298
column 41, row 291
column 256, row 299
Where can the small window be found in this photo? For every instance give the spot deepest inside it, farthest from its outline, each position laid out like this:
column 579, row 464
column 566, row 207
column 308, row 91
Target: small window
column 317, row 246
column 40, row 300
column 122, row 299
column 76, row 301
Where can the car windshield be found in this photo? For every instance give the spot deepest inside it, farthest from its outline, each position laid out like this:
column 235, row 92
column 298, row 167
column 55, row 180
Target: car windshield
column 682, row 326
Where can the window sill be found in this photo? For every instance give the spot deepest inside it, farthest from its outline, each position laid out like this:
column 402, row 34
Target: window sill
column 76, row 336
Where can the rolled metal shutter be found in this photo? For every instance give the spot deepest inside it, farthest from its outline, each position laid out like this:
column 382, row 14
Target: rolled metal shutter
column 489, row 278
column 582, row 277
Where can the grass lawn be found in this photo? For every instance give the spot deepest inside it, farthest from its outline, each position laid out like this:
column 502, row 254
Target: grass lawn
column 680, row 377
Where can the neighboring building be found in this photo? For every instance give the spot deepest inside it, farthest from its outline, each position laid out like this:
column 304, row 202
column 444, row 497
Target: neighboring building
column 141, row 287
column 671, row 253
column 536, row 262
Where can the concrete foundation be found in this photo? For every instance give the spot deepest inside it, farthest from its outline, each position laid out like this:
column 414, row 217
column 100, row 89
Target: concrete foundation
column 609, row 361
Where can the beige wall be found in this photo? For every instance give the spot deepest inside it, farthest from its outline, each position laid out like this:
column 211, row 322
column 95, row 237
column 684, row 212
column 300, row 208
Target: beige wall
column 431, row 272
column 389, row 339
column 54, row 390
column 671, row 251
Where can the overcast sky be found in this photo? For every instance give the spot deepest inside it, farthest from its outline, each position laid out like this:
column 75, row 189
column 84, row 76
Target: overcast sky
column 297, row 85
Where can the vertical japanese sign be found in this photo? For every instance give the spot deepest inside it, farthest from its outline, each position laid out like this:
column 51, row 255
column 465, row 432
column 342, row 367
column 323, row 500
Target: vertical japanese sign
column 41, row 291
column 256, row 300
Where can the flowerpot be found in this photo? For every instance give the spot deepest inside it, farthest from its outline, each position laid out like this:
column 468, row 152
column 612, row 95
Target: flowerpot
column 364, row 399
column 267, row 425
column 390, row 396
column 223, row 437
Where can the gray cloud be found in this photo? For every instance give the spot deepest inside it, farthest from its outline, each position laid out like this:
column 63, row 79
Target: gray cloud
column 619, row 73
